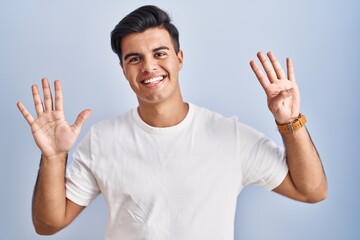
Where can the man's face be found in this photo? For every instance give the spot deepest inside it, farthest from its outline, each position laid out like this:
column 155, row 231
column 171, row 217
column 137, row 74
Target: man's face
column 151, row 65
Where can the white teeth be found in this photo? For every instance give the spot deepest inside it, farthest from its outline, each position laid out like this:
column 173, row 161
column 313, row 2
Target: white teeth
column 155, row 79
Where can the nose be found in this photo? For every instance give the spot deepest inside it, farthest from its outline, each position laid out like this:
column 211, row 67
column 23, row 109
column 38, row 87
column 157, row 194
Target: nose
column 149, row 64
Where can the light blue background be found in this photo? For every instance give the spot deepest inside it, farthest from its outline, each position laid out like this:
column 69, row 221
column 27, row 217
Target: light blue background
column 69, row 40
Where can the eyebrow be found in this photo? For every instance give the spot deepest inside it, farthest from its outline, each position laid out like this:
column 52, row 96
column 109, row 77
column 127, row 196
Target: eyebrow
column 138, row 54
column 161, row 48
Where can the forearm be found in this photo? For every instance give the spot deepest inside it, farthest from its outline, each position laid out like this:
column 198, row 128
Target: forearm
column 304, row 164
column 49, row 198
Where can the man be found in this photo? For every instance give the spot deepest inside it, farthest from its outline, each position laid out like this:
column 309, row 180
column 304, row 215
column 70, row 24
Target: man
column 168, row 169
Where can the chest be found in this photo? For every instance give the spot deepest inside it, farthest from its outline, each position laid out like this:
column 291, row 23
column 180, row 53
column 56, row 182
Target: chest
column 169, row 169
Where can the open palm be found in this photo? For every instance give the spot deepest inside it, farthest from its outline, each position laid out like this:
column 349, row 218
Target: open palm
column 282, row 92
column 51, row 132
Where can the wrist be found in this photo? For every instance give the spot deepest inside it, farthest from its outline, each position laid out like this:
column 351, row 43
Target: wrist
column 293, row 126
column 54, row 157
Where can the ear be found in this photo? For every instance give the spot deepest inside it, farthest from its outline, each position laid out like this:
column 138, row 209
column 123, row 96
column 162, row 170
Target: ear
column 180, row 56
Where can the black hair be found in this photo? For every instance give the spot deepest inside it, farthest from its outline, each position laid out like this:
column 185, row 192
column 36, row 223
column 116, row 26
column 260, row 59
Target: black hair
column 140, row 20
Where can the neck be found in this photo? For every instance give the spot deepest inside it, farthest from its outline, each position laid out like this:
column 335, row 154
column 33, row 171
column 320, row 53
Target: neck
column 162, row 114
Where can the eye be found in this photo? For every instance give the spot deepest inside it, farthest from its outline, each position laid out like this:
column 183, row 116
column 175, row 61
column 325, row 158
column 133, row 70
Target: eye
column 160, row 54
column 134, row 59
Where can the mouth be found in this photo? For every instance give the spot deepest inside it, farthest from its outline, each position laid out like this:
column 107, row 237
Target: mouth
column 153, row 81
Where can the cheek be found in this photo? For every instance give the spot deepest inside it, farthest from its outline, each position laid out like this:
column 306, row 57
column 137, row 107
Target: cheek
column 173, row 67
column 129, row 74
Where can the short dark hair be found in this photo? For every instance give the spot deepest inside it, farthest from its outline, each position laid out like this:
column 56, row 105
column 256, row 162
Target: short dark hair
column 140, row 20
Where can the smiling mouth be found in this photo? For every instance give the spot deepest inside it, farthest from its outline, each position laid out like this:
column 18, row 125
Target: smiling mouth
column 153, row 81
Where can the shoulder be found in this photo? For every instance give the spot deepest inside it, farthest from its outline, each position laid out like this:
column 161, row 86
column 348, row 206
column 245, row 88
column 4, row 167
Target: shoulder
column 214, row 121
column 204, row 114
column 208, row 118
column 213, row 124
column 110, row 126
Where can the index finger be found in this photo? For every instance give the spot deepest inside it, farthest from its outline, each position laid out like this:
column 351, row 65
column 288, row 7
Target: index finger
column 264, row 81
column 268, row 67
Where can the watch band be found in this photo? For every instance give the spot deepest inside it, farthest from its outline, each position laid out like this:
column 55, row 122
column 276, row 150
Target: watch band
column 293, row 126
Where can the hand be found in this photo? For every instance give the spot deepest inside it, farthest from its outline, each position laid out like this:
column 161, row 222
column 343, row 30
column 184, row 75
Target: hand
column 52, row 134
column 282, row 92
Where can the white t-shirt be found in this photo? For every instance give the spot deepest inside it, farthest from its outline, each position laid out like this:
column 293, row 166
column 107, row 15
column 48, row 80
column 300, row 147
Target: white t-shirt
column 178, row 182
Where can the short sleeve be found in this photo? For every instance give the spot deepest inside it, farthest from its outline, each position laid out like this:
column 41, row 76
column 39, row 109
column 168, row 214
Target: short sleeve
column 263, row 162
column 81, row 186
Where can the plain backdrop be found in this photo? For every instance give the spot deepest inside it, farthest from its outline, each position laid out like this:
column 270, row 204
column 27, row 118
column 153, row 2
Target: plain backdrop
column 70, row 41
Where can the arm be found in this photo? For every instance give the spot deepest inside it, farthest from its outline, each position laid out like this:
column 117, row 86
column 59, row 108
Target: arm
column 306, row 179
column 51, row 210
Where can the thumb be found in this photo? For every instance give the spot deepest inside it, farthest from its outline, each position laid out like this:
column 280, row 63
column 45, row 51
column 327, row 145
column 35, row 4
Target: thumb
column 277, row 101
column 80, row 120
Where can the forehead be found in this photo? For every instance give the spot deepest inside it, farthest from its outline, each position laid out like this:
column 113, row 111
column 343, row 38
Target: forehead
column 146, row 41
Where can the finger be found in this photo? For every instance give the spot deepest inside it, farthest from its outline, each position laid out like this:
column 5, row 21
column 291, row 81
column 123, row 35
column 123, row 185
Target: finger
column 269, row 69
column 48, row 104
column 59, row 102
column 39, row 108
column 25, row 113
column 264, row 81
column 290, row 69
column 276, row 65
column 80, row 120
